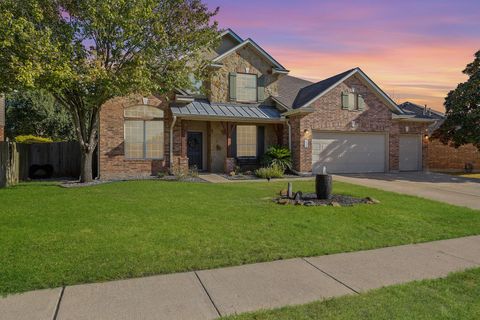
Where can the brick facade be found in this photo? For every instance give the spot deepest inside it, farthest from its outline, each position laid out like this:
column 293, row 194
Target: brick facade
column 445, row 158
column 244, row 60
column 328, row 115
column 2, row 133
column 112, row 161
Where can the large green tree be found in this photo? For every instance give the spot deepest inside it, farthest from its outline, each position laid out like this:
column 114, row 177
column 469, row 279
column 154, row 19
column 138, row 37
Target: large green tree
column 37, row 113
column 462, row 122
column 85, row 52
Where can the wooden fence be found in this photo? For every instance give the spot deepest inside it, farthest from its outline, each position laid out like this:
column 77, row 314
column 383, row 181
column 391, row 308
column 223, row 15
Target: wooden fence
column 46, row 160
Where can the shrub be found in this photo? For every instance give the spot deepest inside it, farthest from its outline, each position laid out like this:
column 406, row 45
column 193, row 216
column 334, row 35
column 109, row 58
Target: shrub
column 273, row 171
column 30, row 139
column 278, row 156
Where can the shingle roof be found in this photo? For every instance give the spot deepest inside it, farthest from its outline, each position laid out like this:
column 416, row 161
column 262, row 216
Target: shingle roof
column 418, row 111
column 310, row 92
column 227, row 110
column 288, row 88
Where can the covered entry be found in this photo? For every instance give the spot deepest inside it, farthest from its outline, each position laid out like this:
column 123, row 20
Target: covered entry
column 349, row 152
column 410, row 152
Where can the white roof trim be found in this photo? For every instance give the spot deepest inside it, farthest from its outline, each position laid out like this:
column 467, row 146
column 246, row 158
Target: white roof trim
column 367, row 79
column 232, row 34
column 257, row 47
column 298, row 111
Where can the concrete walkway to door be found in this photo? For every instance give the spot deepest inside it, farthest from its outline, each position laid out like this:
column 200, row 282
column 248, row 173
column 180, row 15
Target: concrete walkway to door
column 435, row 186
column 210, row 294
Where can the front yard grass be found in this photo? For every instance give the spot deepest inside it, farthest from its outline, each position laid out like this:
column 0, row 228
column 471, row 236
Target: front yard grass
column 50, row 236
column 455, row 297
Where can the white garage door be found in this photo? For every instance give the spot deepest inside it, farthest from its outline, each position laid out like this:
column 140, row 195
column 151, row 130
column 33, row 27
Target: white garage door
column 410, row 152
column 349, row 152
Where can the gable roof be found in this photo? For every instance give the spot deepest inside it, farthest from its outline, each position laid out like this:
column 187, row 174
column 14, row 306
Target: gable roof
column 310, row 94
column 254, row 45
column 231, row 33
column 288, row 88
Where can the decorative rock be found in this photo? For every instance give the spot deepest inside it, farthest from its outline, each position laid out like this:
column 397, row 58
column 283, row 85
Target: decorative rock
column 299, row 203
column 284, row 193
column 298, row 196
column 283, row 201
column 335, row 204
column 290, row 190
column 372, row 200
column 309, row 203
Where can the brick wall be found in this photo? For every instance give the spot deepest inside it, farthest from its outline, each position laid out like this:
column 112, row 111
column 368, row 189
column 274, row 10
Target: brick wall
column 112, row 161
column 329, row 116
column 2, row 118
column 445, row 158
column 2, row 133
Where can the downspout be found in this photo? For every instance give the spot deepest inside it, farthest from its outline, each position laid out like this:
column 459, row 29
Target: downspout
column 289, row 135
column 171, row 142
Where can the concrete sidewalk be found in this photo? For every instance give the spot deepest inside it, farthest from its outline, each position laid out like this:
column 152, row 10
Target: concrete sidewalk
column 210, row 294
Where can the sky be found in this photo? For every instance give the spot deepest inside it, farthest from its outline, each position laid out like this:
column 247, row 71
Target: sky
column 414, row 50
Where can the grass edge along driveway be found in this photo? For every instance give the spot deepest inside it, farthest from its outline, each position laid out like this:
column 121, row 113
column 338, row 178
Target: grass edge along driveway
column 50, row 236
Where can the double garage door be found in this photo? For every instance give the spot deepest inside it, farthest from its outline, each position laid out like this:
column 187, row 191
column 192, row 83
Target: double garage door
column 361, row 152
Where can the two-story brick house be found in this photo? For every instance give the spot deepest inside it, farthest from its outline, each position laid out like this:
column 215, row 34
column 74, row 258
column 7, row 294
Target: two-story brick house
column 346, row 122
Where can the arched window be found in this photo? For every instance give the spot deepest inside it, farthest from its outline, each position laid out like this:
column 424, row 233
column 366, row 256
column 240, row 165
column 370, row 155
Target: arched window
column 144, row 132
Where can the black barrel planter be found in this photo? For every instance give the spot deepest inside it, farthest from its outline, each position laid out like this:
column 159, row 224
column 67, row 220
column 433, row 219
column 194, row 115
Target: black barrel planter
column 323, row 186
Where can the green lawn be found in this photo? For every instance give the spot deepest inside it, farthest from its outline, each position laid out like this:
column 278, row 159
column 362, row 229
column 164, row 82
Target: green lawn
column 50, row 236
column 455, row 297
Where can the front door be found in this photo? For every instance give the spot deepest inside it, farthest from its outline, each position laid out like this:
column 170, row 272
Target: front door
column 195, row 148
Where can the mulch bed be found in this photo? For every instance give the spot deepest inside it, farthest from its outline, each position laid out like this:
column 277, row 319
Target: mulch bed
column 337, row 200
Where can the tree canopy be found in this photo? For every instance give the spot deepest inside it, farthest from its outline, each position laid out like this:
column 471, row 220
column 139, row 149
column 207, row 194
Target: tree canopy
column 37, row 113
column 85, row 52
column 462, row 122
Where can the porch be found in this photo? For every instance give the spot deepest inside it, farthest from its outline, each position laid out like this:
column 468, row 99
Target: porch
column 218, row 138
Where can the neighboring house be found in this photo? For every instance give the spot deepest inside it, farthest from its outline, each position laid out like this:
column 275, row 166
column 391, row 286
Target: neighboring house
column 346, row 122
column 2, row 118
column 443, row 157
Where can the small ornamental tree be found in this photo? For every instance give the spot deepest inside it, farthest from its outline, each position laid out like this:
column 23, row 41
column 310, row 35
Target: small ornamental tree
column 462, row 122
column 85, row 52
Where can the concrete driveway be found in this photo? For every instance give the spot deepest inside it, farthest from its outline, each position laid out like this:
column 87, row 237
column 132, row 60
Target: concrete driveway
column 440, row 187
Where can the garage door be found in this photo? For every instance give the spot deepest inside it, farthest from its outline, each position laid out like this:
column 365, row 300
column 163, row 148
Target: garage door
column 349, row 152
column 410, row 152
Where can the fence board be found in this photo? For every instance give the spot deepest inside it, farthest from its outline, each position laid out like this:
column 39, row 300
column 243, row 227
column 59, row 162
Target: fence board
column 17, row 159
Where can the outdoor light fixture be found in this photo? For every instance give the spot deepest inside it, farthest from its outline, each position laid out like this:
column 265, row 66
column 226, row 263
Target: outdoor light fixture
column 407, row 128
column 306, row 135
column 145, row 100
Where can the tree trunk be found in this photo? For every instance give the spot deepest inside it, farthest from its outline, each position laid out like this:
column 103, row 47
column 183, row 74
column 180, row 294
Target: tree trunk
column 86, row 174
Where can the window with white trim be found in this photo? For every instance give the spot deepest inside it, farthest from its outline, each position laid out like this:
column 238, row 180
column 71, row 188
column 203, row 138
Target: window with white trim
column 144, row 133
column 246, row 87
column 247, row 141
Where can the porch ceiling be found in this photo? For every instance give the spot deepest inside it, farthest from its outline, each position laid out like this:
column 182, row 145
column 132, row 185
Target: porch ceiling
column 227, row 111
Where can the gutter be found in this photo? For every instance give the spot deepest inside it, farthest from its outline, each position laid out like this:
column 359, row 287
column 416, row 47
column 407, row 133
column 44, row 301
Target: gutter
column 303, row 110
column 171, row 142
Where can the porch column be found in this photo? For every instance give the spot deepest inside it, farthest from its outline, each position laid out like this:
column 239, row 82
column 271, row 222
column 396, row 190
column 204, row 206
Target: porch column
column 228, row 128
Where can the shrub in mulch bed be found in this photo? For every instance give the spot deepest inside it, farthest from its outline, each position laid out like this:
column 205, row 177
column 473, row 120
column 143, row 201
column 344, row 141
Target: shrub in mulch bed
column 310, row 200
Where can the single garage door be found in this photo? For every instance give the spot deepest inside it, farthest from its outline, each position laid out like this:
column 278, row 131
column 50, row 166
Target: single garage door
column 349, row 152
column 410, row 152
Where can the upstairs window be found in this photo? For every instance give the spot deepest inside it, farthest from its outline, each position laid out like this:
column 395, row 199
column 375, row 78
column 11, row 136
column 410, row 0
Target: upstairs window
column 144, row 133
column 353, row 101
column 246, row 141
column 246, row 87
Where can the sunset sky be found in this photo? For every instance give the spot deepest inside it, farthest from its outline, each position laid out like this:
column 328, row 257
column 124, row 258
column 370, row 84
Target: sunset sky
column 414, row 50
